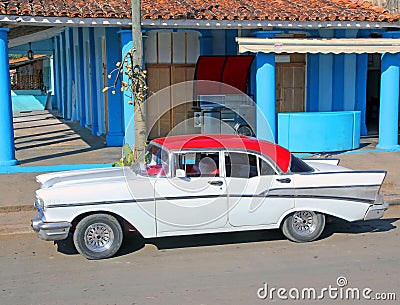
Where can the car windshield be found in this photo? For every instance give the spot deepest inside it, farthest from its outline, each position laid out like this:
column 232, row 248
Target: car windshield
column 154, row 161
column 299, row 166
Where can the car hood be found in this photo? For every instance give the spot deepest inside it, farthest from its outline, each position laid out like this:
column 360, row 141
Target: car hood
column 91, row 186
column 66, row 178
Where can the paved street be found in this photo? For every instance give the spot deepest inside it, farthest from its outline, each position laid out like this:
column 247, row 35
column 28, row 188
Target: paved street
column 207, row 269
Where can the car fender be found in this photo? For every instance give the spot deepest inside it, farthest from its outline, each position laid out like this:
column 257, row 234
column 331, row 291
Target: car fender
column 140, row 216
column 344, row 209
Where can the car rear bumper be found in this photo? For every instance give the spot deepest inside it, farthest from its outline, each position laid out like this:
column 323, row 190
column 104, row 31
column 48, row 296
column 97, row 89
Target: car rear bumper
column 49, row 230
column 376, row 211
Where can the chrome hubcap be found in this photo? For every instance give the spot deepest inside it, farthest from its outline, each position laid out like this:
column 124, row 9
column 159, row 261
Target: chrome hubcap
column 304, row 222
column 99, row 237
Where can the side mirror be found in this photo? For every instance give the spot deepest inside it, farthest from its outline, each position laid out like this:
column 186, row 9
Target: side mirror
column 180, row 173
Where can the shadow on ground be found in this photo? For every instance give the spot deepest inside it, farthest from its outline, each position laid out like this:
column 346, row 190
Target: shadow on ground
column 134, row 242
column 372, row 226
column 43, row 138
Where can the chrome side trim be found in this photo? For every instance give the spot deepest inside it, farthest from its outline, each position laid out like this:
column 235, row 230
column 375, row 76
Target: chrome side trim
column 345, row 172
column 275, row 193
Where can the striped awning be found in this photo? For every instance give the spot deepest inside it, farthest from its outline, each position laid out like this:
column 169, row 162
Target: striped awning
column 320, row 45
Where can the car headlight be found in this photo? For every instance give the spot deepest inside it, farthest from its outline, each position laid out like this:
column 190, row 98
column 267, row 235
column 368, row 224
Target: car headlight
column 39, row 202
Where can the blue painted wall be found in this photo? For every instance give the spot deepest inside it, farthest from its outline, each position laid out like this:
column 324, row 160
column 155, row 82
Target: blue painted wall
column 115, row 135
column 334, row 82
column 319, row 132
column 206, row 42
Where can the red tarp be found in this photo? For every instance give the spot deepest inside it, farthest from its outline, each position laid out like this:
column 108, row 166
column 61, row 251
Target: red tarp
column 230, row 70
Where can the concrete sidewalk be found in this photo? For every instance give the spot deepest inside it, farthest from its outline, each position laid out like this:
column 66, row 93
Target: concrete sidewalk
column 45, row 142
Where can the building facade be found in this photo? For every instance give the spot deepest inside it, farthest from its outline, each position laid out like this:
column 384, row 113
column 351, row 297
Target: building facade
column 298, row 65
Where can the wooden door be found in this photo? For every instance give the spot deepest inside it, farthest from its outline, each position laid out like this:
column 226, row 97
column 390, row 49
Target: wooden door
column 157, row 106
column 163, row 113
column 290, row 86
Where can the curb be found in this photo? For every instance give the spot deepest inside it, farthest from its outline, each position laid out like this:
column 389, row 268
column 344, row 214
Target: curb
column 50, row 168
column 16, row 208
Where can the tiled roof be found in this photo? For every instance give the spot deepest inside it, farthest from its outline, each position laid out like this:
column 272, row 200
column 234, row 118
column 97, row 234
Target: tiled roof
column 16, row 61
column 278, row 10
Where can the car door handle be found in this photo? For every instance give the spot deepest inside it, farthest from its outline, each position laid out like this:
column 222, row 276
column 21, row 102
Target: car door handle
column 218, row 182
column 284, row 180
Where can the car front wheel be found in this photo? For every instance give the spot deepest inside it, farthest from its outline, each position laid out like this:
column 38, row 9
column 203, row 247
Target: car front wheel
column 303, row 226
column 98, row 236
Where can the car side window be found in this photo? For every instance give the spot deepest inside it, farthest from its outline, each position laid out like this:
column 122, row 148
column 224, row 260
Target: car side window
column 198, row 164
column 265, row 168
column 240, row 165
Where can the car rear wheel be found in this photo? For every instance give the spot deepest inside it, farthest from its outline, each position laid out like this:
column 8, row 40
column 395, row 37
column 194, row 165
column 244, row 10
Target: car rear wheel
column 303, row 226
column 98, row 236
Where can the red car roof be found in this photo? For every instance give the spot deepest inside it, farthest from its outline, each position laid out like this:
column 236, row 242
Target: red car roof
column 280, row 155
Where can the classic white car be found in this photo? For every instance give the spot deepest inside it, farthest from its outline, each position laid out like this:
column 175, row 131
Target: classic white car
column 198, row 184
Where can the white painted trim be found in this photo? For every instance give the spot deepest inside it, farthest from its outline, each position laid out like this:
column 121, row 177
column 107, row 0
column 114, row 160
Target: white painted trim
column 38, row 36
column 318, row 45
column 92, row 22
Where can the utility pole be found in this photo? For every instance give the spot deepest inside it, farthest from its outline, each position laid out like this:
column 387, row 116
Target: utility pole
column 140, row 106
column 137, row 32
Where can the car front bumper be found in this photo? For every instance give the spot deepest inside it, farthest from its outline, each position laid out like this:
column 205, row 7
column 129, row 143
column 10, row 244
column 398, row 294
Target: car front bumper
column 376, row 211
column 49, row 230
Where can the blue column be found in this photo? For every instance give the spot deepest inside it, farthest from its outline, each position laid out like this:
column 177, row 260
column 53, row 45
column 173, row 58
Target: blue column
column 57, row 76
column 389, row 101
column 95, row 125
column 265, row 96
column 72, row 59
column 64, row 95
column 265, row 92
column 127, row 44
column 7, row 148
column 115, row 135
column 361, row 90
column 389, row 104
column 82, row 78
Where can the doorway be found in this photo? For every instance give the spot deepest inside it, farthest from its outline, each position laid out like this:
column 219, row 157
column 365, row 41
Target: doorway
column 373, row 93
column 170, row 59
column 290, row 82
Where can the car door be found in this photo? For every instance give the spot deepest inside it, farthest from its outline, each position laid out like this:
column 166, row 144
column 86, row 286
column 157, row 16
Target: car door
column 196, row 202
column 257, row 195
